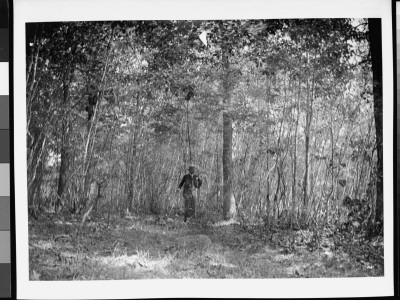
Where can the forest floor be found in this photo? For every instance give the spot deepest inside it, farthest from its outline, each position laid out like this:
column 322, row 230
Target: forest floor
column 137, row 247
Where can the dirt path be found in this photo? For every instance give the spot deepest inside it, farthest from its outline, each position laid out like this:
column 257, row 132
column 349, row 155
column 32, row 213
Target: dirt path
column 145, row 247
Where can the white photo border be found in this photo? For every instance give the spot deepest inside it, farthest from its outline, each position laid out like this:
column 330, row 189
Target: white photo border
column 102, row 10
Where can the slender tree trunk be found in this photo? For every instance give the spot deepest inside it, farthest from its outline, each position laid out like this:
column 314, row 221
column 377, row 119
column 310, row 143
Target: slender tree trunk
column 133, row 162
column 188, row 133
column 92, row 126
column 332, row 194
column 278, row 164
column 218, row 167
column 63, row 175
column 309, row 116
column 306, row 158
column 375, row 41
column 131, row 183
column 294, row 187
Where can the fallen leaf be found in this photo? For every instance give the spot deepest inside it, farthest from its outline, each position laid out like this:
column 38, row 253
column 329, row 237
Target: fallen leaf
column 35, row 275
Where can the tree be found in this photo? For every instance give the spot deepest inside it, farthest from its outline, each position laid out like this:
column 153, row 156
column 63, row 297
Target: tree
column 258, row 93
column 375, row 41
column 230, row 37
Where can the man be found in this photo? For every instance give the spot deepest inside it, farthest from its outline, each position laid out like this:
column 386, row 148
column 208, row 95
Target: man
column 190, row 183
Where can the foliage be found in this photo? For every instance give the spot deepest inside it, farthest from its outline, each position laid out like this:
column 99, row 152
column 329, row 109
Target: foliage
column 116, row 111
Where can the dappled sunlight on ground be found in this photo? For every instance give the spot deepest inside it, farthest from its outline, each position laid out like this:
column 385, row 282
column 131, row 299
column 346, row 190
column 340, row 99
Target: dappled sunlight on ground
column 141, row 262
column 143, row 247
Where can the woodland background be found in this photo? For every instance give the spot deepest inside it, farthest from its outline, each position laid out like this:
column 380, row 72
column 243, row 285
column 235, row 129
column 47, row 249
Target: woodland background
column 282, row 118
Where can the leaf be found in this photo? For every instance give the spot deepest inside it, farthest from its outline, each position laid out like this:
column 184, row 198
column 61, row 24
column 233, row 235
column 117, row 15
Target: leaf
column 35, row 275
column 203, row 37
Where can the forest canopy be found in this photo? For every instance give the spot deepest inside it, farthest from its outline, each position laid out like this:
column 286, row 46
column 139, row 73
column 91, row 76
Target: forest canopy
column 278, row 116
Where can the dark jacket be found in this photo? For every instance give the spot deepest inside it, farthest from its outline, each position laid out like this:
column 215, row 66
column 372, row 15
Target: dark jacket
column 189, row 181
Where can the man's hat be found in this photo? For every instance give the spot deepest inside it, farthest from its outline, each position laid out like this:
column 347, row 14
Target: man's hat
column 191, row 168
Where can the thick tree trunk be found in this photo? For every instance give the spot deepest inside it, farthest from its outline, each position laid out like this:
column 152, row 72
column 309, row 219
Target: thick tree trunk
column 375, row 41
column 229, row 199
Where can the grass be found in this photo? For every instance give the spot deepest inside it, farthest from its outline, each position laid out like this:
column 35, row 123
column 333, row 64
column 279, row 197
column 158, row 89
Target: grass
column 143, row 248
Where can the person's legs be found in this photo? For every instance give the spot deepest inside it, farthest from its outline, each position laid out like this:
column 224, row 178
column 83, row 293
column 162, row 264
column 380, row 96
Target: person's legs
column 190, row 198
column 187, row 196
column 194, row 201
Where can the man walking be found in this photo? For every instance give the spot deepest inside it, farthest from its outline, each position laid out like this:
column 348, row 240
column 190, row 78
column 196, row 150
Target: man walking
column 190, row 183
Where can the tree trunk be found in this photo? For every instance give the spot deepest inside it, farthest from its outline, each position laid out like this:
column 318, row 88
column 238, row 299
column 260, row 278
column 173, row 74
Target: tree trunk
column 89, row 164
column 229, row 210
column 294, row 158
column 132, row 171
column 229, row 200
column 375, row 41
column 309, row 116
column 306, row 158
column 62, row 179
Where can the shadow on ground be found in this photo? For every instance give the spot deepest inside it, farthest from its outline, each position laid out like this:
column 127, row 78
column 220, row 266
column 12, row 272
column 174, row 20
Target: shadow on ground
column 149, row 247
